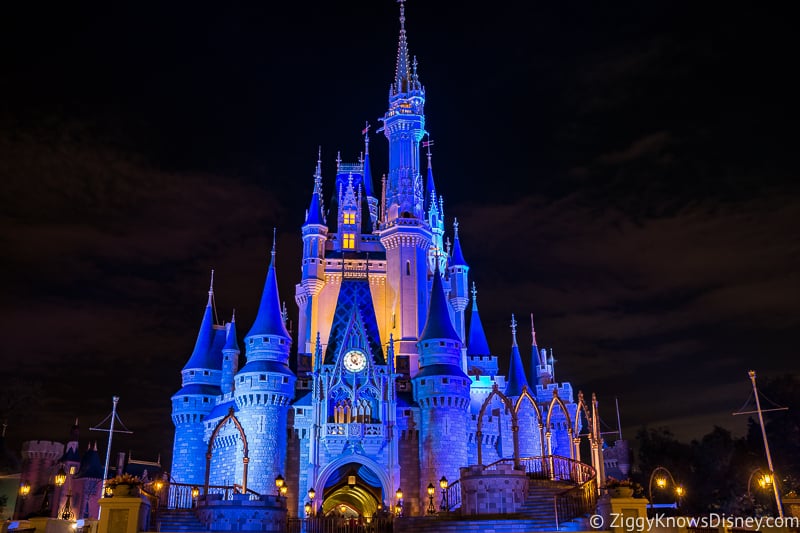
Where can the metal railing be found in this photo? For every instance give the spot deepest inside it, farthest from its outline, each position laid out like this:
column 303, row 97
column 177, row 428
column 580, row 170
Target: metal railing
column 576, row 501
column 453, row 495
column 175, row 495
column 340, row 524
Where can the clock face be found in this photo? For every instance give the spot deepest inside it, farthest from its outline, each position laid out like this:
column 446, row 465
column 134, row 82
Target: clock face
column 355, row 361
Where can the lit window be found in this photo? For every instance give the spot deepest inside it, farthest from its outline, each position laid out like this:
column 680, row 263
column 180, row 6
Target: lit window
column 349, row 241
column 349, row 217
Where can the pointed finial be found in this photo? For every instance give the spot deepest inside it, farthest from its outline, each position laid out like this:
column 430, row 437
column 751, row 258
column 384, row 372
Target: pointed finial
column 513, row 330
column 455, row 227
column 284, row 313
column 474, row 293
column 233, row 315
column 365, row 133
column 447, row 246
column 414, row 68
column 274, row 240
column 211, row 288
column 533, row 333
column 427, row 144
column 338, row 159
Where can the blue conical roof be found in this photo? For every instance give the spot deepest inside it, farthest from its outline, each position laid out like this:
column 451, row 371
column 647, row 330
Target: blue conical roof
column 202, row 356
column 90, row 466
column 315, row 211
column 516, row 374
column 458, row 256
column 230, row 341
column 269, row 320
column 477, row 337
column 438, row 324
column 368, row 176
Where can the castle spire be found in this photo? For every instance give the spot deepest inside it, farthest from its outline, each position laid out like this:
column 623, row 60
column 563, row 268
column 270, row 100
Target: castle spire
column 230, row 340
column 477, row 337
column 201, row 355
column 268, row 319
column 402, row 73
column 516, row 372
column 438, row 324
column 368, row 190
column 458, row 256
column 430, row 187
column 314, row 215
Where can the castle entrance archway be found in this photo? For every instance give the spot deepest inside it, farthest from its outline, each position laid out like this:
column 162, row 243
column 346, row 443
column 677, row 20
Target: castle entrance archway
column 353, row 486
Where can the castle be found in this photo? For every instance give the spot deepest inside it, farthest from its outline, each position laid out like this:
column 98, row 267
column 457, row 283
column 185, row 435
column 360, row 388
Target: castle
column 389, row 384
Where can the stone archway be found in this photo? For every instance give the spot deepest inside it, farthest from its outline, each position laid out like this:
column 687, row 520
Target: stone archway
column 359, row 498
column 209, row 452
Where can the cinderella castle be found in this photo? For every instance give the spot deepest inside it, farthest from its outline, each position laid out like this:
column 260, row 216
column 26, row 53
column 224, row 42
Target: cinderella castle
column 390, row 382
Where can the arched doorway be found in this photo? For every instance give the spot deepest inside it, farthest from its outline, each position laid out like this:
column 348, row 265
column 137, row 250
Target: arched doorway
column 353, row 486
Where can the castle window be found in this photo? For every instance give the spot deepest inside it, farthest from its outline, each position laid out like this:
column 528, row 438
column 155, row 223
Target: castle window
column 205, row 400
column 445, row 380
column 262, row 377
column 349, row 217
column 185, row 399
column 285, row 379
column 206, row 373
column 191, row 372
column 349, row 241
column 422, row 382
column 408, row 268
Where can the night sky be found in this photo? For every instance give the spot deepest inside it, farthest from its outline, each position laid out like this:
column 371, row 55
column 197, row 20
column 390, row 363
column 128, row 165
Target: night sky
column 625, row 172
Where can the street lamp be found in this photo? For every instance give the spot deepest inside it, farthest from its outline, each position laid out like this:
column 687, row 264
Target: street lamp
column 431, row 492
column 443, row 486
column 60, row 477
column 24, row 489
column 307, row 508
column 279, row 482
column 398, row 510
column 662, row 477
column 311, row 494
column 764, row 480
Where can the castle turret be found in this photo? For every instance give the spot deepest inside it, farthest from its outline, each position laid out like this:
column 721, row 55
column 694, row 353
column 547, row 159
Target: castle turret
column 441, row 389
column 264, row 388
column 543, row 367
column 405, row 234
column 315, row 234
column 369, row 191
column 459, row 290
column 230, row 357
column 200, row 377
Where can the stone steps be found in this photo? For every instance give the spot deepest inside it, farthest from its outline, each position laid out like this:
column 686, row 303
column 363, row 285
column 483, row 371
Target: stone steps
column 179, row 521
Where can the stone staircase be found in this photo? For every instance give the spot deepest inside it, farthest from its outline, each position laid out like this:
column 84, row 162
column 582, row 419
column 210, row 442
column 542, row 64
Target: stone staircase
column 536, row 514
column 178, row 520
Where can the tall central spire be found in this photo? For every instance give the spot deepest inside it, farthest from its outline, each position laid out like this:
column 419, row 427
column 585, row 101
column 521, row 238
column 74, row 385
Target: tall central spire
column 402, row 72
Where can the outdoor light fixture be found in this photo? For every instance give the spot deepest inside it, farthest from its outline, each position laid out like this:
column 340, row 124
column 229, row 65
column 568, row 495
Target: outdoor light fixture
column 663, row 477
column 431, row 492
column 307, row 508
column 158, row 485
column 443, row 486
column 109, row 491
column 661, row 482
column 61, row 476
column 195, row 492
column 284, row 490
column 24, row 489
column 342, row 508
column 680, row 491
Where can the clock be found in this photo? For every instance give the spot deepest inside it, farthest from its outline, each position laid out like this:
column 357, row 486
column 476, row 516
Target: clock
column 355, row 361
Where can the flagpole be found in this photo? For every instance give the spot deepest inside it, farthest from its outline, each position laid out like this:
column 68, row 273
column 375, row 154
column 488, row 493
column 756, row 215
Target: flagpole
column 108, row 448
column 752, row 375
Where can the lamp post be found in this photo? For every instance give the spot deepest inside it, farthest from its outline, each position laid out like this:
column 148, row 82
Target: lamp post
column 307, row 508
column 431, row 492
column 279, row 482
column 765, row 480
column 195, row 495
column 663, row 477
column 443, row 486
column 311, row 494
column 398, row 509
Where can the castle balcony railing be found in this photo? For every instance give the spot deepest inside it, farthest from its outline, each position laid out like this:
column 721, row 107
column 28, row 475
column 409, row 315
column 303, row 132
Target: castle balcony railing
column 179, row 495
column 354, row 429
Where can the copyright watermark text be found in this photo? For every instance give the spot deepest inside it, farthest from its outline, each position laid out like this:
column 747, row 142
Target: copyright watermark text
column 712, row 520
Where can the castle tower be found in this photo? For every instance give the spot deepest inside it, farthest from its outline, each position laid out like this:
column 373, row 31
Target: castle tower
column 543, row 367
column 480, row 360
column 87, row 483
column 200, row 379
column 459, row 291
column 315, row 233
column 405, row 234
column 230, row 357
column 264, row 388
column 441, row 389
